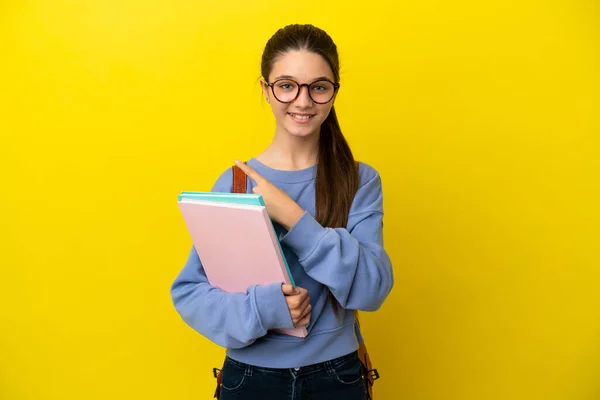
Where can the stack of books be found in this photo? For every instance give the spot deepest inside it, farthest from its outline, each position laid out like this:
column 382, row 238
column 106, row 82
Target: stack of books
column 236, row 242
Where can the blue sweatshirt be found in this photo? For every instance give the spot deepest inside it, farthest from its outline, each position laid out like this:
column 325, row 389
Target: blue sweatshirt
column 351, row 262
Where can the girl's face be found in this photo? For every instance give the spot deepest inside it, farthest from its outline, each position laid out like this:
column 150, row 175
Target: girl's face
column 303, row 116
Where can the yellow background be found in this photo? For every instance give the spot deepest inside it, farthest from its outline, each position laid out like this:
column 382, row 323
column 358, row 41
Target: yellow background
column 481, row 116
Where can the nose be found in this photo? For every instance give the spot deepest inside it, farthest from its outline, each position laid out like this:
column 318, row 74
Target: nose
column 303, row 99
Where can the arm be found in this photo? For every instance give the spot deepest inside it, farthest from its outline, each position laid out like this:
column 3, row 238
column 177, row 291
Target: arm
column 351, row 262
column 232, row 320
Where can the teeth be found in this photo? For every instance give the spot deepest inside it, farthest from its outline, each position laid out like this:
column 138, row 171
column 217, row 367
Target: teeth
column 301, row 116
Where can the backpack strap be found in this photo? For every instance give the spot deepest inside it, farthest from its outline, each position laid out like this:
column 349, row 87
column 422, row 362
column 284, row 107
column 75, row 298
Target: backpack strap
column 239, row 180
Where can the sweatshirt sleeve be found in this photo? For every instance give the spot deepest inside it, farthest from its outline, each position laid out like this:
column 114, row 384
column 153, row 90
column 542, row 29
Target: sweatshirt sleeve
column 231, row 320
column 351, row 261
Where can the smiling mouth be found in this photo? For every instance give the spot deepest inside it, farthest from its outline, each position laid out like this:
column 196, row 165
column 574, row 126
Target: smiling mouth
column 302, row 117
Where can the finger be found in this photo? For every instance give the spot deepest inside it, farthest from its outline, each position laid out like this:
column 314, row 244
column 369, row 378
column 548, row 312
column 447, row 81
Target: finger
column 255, row 176
column 304, row 304
column 295, row 303
column 301, row 290
column 289, row 290
column 296, row 315
column 303, row 293
column 304, row 321
column 306, row 311
column 298, row 309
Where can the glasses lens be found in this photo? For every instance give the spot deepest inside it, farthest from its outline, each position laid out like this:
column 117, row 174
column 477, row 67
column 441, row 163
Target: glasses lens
column 285, row 91
column 322, row 91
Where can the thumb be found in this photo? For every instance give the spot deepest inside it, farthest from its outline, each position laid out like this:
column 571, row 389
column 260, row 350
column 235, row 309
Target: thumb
column 289, row 290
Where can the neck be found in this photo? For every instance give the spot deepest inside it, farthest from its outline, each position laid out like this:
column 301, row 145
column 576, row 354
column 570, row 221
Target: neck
column 287, row 152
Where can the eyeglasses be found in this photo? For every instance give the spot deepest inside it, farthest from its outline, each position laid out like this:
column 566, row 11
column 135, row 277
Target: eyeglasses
column 287, row 90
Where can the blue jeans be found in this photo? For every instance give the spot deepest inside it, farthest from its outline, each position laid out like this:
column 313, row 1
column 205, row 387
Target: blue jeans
column 336, row 379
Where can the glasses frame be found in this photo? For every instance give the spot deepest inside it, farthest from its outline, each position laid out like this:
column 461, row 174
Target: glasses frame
column 336, row 87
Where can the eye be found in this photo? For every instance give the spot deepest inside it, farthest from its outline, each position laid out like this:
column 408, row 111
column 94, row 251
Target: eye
column 321, row 87
column 286, row 86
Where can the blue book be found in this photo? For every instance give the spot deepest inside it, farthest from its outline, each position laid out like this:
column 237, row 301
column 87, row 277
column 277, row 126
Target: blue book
column 235, row 198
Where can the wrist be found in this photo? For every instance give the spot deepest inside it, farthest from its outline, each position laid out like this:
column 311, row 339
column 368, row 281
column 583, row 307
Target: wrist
column 292, row 217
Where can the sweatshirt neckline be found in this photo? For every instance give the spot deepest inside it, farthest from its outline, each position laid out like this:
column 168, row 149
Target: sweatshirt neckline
column 283, row 176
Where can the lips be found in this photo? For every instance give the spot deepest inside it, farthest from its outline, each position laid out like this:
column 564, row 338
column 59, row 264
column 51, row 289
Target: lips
column 301, row 117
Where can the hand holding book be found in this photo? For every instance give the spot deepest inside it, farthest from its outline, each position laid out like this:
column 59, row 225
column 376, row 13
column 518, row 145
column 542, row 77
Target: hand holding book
column 298, row 302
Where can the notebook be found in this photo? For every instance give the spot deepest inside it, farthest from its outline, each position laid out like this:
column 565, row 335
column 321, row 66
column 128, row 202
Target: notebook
column 235, row 198
column 236, row 242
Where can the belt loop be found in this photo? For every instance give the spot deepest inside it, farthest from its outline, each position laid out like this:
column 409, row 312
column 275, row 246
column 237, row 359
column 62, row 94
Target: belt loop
column 249, row 370
column 329, row 368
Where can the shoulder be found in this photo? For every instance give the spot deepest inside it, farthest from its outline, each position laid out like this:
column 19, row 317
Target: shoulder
column 367, row 174
column 369, row 197
column 224, row 182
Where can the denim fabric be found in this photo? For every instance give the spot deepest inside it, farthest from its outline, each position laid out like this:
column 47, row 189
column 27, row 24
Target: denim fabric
column 336, row 379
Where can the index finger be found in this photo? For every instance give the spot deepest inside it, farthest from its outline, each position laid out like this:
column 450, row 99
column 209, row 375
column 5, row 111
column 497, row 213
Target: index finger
column 255, row 176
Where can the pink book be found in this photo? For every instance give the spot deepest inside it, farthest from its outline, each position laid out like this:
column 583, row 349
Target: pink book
column 237, row 246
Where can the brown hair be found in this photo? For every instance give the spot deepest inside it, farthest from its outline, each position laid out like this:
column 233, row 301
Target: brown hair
column 337, row 175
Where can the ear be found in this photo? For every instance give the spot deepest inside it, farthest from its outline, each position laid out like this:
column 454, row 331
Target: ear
column 266, row 91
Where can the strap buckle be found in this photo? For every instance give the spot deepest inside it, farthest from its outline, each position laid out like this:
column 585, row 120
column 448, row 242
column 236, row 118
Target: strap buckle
column 217, row 375
column 373, row 374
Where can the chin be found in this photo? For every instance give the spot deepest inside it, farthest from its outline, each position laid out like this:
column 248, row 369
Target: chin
column 302, row 132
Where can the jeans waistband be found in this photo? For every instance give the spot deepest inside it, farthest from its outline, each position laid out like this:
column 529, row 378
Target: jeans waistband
column 305, row 369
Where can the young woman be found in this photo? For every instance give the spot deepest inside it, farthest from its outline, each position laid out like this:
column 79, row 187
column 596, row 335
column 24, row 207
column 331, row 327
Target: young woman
column 328, row 214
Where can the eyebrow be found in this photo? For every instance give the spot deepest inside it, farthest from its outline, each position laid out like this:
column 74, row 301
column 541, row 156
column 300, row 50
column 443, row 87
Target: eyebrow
column 321, row 78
